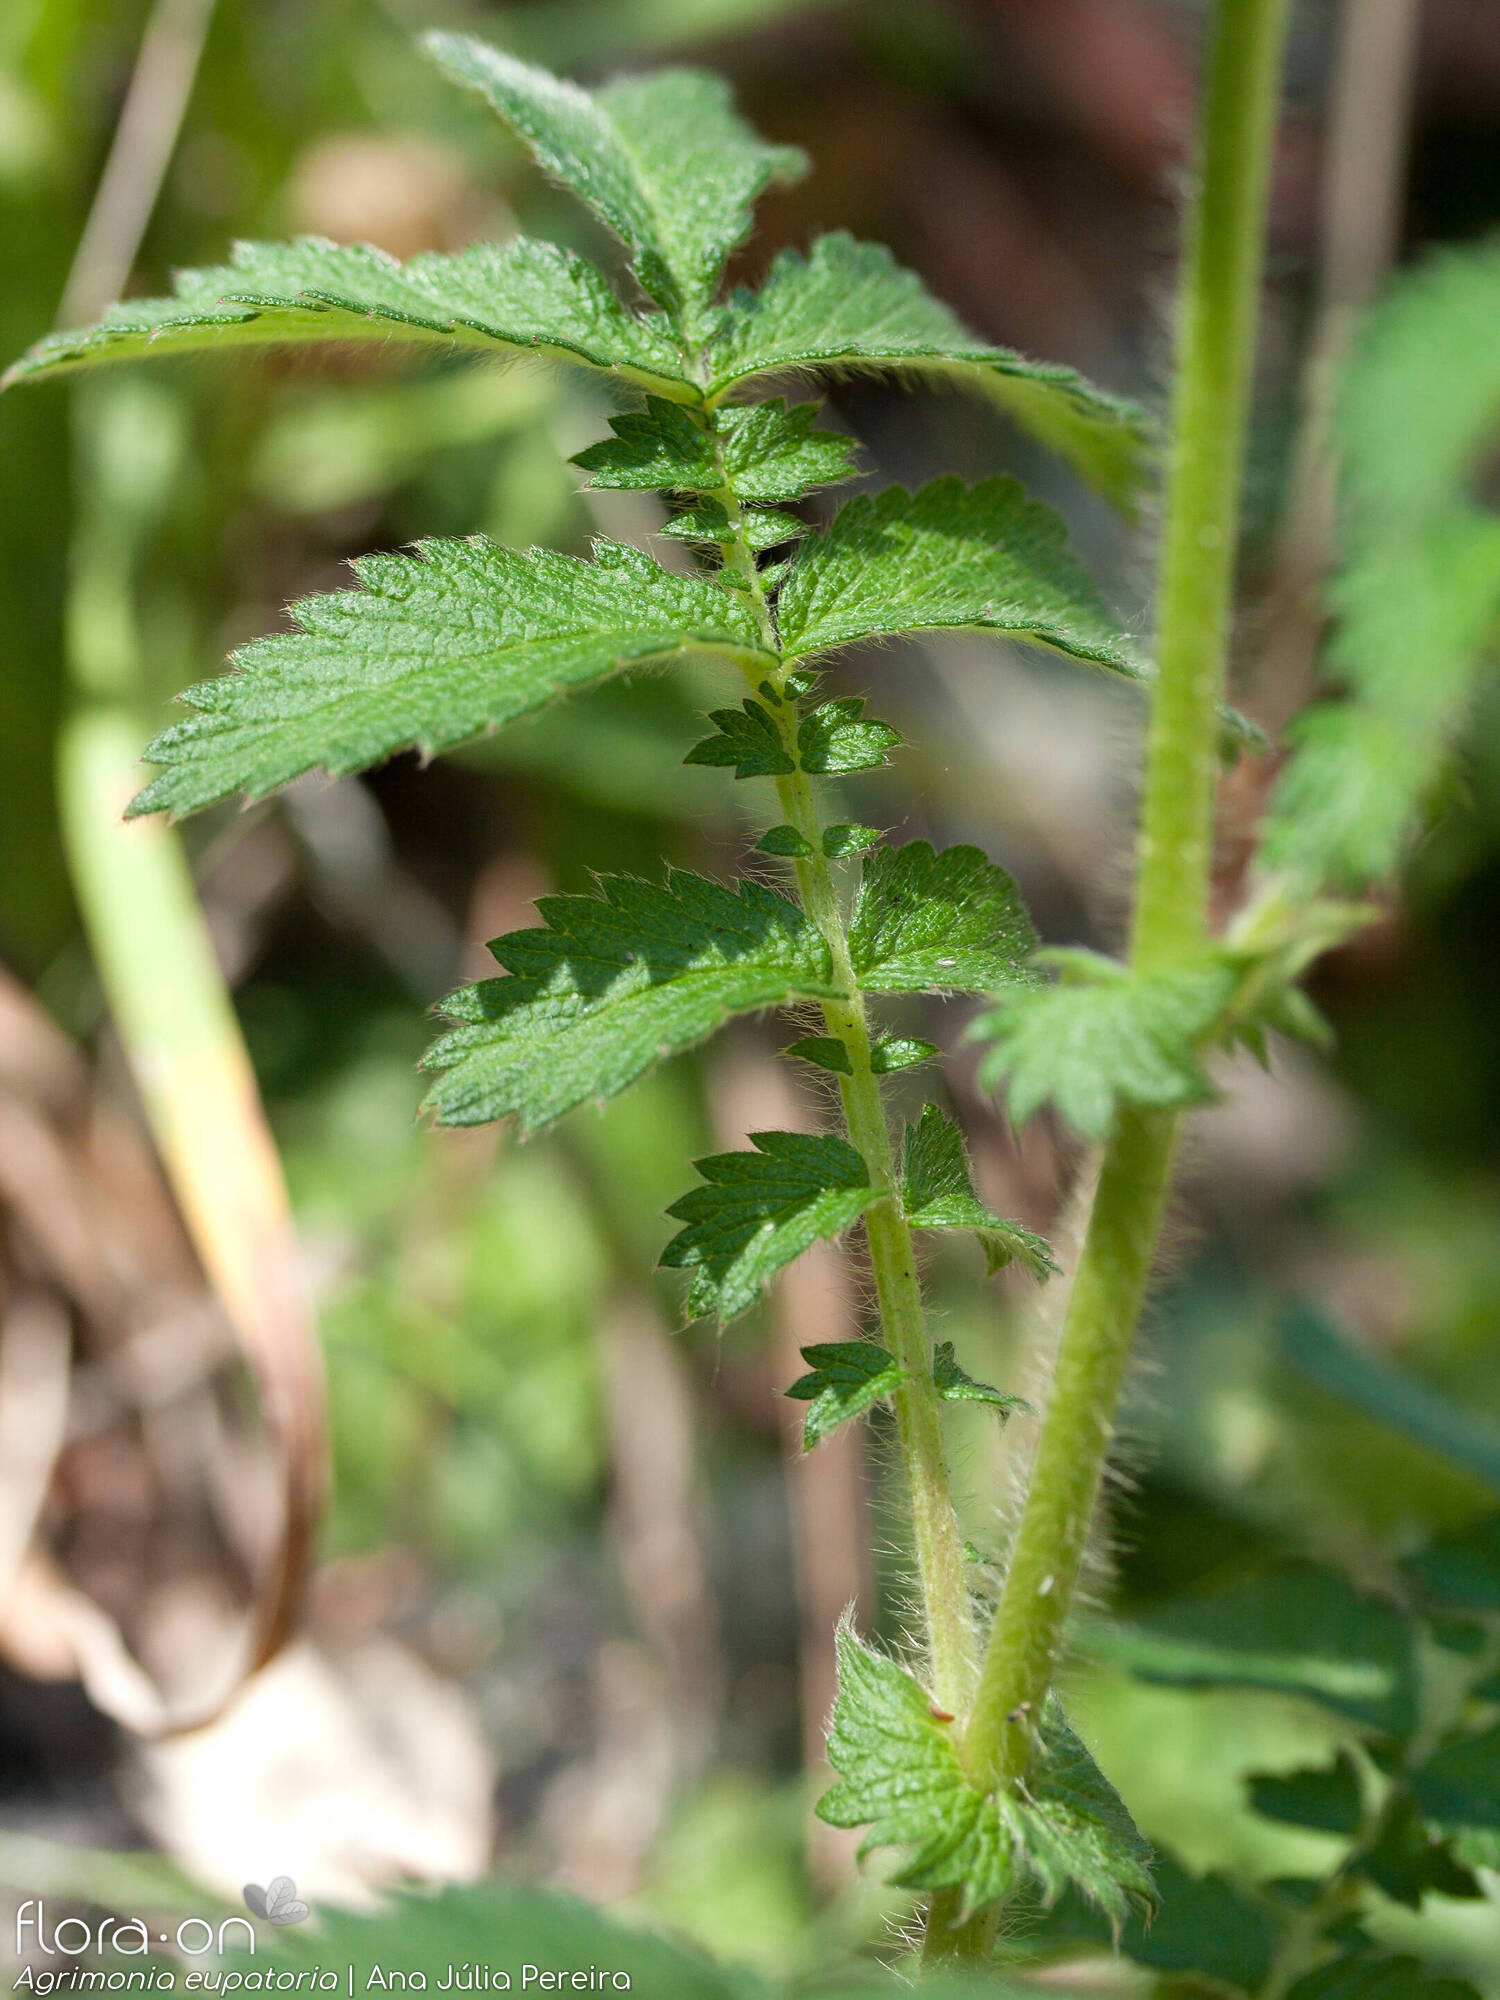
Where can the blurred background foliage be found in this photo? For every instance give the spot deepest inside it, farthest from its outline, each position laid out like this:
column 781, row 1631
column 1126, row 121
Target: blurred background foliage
column 569, row 1542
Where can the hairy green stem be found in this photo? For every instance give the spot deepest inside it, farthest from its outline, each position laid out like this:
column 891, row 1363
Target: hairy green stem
column 1224, row 255
column 942, row 1580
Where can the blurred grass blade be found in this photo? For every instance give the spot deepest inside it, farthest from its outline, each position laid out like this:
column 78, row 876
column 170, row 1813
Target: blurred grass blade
column 1312, row 1346
column 180, row 1036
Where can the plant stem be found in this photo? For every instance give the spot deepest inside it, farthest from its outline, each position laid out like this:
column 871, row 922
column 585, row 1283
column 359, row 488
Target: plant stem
column 942, row 1579
column 1224, row 254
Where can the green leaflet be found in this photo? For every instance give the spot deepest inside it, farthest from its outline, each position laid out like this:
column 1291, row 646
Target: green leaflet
column 948, row 557
column 849, row 305
column 847, row 1378
column 1293, row 1629
column 498, row 299
column 490, row 1922
column 662, row 447
column 747, row 742
column 841, row 841
column 1103, row 1037
column 613, row 984
column 941, row 921
column 956, row 1386
column 1206, row 1925
column 663, row 159
column 770, row 453
column 783, row 839
column 893, row 1052
column 938, row 1193
column 833, row 739
column 1329, row 1800
column 757, row 1211
column 773, row 453
column 900, row 1776
column 1411, row 1860
column 823, row 1052
column 709, row 522
column 433, row 649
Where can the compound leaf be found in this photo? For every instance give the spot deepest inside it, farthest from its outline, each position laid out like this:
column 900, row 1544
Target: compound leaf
column 900, row 1776
column 662, row 159
column 433, row 649
column 849, row 305
column 948, row 557
column 747, row 742
column 757, row 1211
column 937, row 1192
column 1103, row 1037
column 848, row 1377
column 494, row 298
column 614, row 983
column 934, row 921
column 834, row 739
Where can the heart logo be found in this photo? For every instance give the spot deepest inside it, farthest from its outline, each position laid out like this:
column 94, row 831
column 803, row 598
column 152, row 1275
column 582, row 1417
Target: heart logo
column 277, row 1902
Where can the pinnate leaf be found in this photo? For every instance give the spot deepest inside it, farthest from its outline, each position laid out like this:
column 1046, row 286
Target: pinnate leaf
column 746, row 742
column 493, row 298
column 433, row 649
column 928, row 920
column 948, row 557
column 614, row 983
column 900, row 1776
column 662, row 159
column 1104, row 1037
column 937, row 1192
column 834, row 738
column 757, row 1211
column 849, row 305
column 847, row 1378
